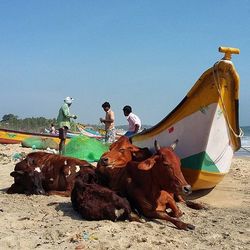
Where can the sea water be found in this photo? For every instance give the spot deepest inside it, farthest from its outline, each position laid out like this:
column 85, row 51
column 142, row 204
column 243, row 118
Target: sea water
column 245, row 143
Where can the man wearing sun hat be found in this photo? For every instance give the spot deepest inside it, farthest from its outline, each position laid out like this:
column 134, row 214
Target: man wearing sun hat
column 63, row 120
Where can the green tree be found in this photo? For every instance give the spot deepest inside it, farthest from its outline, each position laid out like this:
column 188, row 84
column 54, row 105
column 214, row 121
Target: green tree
column 9, row 117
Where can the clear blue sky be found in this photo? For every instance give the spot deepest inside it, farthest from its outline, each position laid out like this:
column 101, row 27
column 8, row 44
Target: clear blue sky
column 147, row 54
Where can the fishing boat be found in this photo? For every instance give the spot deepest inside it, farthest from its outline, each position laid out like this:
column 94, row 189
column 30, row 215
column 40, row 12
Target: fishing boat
column 14, row 137
column 8, row 136
column 205, row 123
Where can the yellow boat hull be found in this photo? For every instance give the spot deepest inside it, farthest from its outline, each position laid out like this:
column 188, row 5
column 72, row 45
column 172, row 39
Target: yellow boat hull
column 16, row 137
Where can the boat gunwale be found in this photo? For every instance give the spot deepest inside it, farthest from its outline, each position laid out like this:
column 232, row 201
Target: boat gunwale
column 160, row 126
column 27, row 133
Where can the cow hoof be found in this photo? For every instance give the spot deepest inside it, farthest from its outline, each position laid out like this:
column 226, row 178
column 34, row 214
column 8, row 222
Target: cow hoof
column 190, row 227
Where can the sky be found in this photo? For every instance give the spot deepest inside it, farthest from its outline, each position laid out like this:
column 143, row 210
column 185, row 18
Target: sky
column 143, row 53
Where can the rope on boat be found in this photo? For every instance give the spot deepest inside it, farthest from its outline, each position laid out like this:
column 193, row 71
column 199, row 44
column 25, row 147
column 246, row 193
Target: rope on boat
column 245, row 149
column 216, row 79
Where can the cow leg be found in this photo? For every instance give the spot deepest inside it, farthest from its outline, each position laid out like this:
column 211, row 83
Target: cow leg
column 147, row 209
column 166, row 199
column 176, row 212
column 163, row 216
column 60, row 193
column 134, row 217
column 191, row 204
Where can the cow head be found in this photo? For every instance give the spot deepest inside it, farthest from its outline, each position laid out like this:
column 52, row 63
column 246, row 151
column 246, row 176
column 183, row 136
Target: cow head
column 170, row 166
column 121, row 152
column 86, row 175
column 28, row 182
column 167, row 170
column 116, row 158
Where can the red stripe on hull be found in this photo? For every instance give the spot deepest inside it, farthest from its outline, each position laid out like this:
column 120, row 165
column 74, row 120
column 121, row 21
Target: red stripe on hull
column 9, row 141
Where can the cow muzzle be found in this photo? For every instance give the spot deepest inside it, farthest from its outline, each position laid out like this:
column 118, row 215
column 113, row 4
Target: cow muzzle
column 40, row 191
column 104, row 161
column 186, row 189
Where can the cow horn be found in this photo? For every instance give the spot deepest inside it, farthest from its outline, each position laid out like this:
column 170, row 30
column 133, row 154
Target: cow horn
column 173, row 146
column 157, row 146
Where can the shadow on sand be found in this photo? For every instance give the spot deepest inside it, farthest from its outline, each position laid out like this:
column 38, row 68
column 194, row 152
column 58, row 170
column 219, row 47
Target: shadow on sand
column 67, row 209
column 199, row 193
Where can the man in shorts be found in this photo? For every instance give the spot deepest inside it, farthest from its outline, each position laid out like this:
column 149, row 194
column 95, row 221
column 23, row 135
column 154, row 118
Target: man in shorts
column 109, row 122
column 63, row 120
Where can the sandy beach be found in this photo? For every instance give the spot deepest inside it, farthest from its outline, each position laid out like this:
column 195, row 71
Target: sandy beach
column 49, row 222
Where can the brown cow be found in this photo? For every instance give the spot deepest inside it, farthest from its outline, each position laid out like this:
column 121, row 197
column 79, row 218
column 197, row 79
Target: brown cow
column 121, row 152
column 95, row 202
column 114, row 169
column 152, row 183
column 57, row 173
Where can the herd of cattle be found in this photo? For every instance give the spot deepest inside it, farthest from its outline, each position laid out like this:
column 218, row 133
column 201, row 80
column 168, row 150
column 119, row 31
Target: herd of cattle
column 127, row 182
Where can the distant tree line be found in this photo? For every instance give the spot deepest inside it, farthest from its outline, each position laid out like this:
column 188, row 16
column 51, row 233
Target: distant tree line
column 33, row 124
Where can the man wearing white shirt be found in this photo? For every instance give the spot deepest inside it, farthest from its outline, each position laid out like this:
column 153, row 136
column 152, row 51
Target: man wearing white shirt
column 134, row 122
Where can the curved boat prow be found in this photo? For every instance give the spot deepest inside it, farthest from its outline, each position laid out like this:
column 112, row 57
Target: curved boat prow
column 206, row 124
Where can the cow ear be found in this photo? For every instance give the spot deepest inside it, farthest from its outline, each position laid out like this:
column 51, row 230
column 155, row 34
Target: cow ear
column 16, row 173
column 148, row 164
column 30, row 161
column 157, row 146
column 173, row 145
column 86, row 164
column 133, row 149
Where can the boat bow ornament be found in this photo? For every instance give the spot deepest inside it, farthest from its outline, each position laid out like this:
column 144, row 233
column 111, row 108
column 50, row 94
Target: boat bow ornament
column 227, row 57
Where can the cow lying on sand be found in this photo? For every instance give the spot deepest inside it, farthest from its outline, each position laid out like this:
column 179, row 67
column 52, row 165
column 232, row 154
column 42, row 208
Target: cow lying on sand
column 150, row 185
column 42, row 172
column 95, row 202
column 120, row 154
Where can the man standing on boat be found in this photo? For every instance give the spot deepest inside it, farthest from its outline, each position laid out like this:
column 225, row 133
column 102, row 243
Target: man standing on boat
column 134, row 122
column 109, row 122
column 63, row 120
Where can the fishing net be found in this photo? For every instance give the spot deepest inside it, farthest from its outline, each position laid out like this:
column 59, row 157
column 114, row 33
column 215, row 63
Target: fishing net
column 85, row 148
column 39, row 143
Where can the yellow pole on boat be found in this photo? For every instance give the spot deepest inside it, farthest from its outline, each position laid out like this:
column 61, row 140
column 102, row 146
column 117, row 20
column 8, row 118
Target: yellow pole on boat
column 228, row 51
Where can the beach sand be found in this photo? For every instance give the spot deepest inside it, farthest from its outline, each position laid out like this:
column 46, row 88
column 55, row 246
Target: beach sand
column 49, row 222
